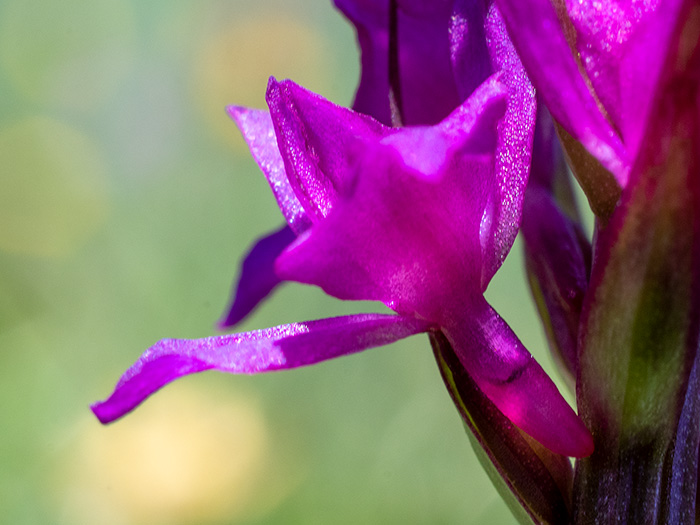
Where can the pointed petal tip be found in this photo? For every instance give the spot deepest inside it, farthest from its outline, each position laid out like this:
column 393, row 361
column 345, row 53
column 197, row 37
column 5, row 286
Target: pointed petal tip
column 225, row 323
column 102, row 412
column 256, row 278
column 239, row 115
column 272, row 85
column 565, row 435
column 558, row 428
column 234, row 111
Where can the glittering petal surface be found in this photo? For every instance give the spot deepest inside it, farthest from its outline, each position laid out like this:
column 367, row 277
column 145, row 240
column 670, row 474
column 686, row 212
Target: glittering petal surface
column 428, row 87
column 258, row 131
column 407, row 231
column 603, row 35
column 499, row 225
column 279, row 348
column 257, row 276
column 540, row 40
column 316, row 139
column 514, row 382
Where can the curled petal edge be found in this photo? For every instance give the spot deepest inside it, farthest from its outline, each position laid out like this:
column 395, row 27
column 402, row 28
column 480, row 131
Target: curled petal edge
column 279, row 348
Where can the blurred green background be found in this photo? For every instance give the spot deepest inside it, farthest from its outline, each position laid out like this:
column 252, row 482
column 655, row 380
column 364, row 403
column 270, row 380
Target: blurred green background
column 127, row 198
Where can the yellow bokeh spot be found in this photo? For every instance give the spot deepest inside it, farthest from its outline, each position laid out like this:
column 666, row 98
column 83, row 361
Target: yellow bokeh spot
column 53, row 194
column 185, row 457
column 68, row 54
column 235, row 63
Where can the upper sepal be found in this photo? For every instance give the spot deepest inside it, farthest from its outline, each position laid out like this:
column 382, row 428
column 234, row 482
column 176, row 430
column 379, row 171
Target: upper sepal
column 259, row 133
column 316, row 139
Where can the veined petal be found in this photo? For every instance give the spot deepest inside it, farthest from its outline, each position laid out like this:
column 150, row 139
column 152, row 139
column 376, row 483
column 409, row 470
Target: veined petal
column 257, row 276
column 258, row 131
column 408, row 234
column 279, row 348
column 535, row 29
column 511, row 378
column 428, row 87
column 316, row 140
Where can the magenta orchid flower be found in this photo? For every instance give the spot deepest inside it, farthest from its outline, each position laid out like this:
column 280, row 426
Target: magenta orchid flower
column 445, row 50
column 404, row 216
column 415, row 195
column 419, row 218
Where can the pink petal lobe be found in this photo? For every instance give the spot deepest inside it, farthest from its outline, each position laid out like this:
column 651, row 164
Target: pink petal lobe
column 257, row 277
column 279, row 348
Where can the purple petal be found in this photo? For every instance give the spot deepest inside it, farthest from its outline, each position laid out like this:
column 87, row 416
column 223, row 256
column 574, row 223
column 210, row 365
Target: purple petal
column 428, row 87
column 257, row 276
column 558, row 261
column 316, row 139
column 256, row 127
column 468, row 51
column 408, row 233
column 515, row 133
column 279, row 348
column 511, row 378
column 535, row 29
